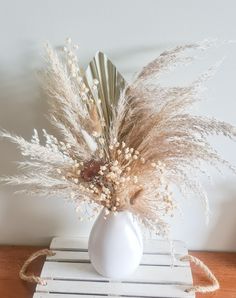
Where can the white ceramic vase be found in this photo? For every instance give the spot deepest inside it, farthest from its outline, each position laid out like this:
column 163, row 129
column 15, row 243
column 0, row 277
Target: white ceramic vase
column 115, row 244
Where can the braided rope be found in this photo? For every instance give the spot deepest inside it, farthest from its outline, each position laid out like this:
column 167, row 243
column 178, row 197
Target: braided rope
column 32, row 278
column 198, row 288
column 214, row 286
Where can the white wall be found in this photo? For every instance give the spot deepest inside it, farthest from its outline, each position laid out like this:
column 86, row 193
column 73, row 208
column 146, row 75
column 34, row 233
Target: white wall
column 131, row 33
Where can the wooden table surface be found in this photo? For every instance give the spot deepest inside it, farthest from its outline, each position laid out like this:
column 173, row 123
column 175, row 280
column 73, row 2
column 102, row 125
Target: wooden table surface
column 12, row 258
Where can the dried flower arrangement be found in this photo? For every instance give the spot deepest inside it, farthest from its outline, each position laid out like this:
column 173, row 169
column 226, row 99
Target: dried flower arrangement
column 124, row 145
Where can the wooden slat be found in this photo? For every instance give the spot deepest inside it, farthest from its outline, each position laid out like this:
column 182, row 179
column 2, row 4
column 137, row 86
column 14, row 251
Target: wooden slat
column 147, row 259
column 62, row 295
column 113, row 288
column 85, row 271
column 152, row 246
column 71, row 275
column 75, row 244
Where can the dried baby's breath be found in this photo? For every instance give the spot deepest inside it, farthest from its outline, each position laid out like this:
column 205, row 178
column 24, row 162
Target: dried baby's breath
column 127, row 157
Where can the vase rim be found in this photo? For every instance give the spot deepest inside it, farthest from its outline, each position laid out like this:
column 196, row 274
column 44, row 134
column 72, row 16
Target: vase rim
column 121, row 211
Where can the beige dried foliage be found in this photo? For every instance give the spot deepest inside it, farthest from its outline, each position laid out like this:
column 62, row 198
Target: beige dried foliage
column 128, row 156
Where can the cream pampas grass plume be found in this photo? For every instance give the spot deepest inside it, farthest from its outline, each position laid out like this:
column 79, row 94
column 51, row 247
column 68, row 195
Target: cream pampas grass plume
column 123, row 146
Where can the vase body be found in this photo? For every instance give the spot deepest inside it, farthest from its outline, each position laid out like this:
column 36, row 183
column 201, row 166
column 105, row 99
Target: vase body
column 115, row 244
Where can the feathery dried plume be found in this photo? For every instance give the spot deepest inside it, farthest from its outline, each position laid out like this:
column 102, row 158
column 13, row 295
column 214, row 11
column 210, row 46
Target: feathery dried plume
column 124, row 146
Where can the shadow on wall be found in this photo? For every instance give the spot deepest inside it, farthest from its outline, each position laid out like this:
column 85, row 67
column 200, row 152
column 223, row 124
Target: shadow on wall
column 133, row 59
column 223, row 233
column 22, row 107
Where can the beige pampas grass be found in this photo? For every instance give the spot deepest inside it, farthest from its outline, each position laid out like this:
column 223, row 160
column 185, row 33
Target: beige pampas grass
column 123, row 146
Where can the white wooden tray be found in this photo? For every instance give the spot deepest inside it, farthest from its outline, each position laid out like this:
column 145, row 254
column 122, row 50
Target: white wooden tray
column 69, row 273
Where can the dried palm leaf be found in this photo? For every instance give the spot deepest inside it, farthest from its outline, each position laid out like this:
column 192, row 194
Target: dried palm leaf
column 124, row 146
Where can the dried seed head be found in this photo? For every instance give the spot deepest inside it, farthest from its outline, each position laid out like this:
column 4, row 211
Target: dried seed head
column 90, row 170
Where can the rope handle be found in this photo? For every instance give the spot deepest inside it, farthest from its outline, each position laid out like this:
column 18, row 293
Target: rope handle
column 214, row 286
column 197, row 288
column 32, row 278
